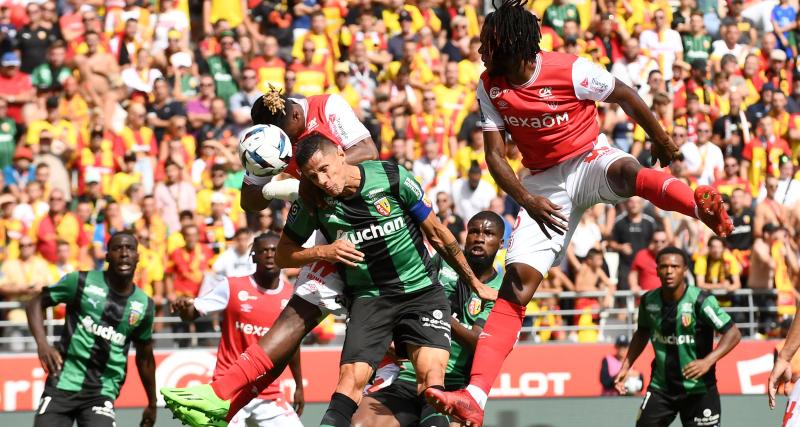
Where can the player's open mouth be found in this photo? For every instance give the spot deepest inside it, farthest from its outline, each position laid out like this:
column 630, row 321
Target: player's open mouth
column 477, row 250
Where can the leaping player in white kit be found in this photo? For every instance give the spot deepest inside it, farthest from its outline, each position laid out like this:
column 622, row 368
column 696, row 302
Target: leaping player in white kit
column 546, row 102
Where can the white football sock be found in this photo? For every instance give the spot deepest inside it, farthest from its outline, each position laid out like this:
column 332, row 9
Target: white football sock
column 478, row 394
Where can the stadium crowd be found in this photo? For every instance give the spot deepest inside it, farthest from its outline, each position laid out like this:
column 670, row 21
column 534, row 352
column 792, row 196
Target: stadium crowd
column 125, row 114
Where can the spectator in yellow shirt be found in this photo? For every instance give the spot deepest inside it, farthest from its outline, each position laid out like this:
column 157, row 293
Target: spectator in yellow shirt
column 421, row 76
column 311, row 78
column 718, row 269
column 452, row 98
column 341, row 86
column 471, row 67
column 65, row 133
column 326, row 50
column 219, row 173
column 391, row 16
column 155, row 226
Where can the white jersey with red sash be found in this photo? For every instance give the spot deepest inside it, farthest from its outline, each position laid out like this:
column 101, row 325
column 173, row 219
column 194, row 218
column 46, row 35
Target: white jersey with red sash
column 553, row 116
column 248, row 312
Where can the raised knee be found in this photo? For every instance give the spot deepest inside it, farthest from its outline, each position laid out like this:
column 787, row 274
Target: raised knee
column 622, row 176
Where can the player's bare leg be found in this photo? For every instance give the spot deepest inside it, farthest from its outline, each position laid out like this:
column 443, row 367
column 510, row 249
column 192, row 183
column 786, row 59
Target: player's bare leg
column 628, row 178
column 353, row 377
column 430, row 364
column 257, row 367
column 495, row 343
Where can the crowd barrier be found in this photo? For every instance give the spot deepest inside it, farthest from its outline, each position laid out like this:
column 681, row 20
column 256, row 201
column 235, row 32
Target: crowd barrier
column 531, row 371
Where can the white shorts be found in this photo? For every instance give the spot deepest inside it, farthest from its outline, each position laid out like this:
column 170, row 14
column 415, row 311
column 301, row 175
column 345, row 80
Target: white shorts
column 791, row 417
column 263, row 413
column 575, row 185
column 320, row 284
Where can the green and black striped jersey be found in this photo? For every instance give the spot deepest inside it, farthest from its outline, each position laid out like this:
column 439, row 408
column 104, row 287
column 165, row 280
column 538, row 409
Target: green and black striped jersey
column 382, row 220
column 99, row 327
column 681, row 332
column 696, row 47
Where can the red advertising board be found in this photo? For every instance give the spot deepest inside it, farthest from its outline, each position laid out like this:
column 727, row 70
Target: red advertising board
column 555, row 370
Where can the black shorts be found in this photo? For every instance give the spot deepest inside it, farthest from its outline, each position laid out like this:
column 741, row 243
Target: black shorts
column 696, row 410
column 419, row 318
column 402, row 400
column 59, row 408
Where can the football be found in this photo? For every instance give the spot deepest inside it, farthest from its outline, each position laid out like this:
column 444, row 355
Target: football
column 265, row 150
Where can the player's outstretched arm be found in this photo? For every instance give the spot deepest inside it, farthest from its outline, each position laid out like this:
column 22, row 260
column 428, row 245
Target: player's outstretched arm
column 48, row 355
column 782, row 370
column 541, row 209
column 662, row 147
column 362, row 151
column 447, row 246
column 146, row 364
column 638, row 343
column 292, row 255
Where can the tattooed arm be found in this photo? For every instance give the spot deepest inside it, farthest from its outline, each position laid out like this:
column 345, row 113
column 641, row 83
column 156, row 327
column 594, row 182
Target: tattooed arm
column 445, row 243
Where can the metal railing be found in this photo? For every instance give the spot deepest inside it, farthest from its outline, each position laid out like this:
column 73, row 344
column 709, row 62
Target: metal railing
column 619, row 319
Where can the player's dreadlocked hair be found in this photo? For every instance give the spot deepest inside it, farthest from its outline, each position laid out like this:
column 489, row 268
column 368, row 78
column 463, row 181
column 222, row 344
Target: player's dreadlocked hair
column 270, row 109
column 512, row 33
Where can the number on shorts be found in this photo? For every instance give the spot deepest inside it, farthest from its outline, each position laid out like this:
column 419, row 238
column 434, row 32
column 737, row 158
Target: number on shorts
column 646, row 398
column 43, row 407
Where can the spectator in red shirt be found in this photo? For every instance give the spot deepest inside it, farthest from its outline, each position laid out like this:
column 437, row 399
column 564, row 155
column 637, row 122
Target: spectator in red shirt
column 60, row 224
column 643, row 276
column 188, row 265
column 185, row 274
column 15, row 86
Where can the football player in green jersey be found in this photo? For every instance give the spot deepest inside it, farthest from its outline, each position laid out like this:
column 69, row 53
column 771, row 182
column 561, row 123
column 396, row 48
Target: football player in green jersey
column 106, row 312
column 376, row 217
column 397, row 404
column 680, row 321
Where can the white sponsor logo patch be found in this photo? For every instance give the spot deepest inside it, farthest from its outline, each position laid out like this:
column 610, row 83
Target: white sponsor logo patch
column 105, row 332
column 544, row 121
column 249, row 329
column 373, row 232
column 95, row 290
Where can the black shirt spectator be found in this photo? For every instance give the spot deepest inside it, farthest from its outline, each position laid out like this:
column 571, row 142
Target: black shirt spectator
column 395, row 43
column 631, row 233
column 758, row 110
column 34, row 39
column 163, row 109
column 742, row 216
column 729, row 132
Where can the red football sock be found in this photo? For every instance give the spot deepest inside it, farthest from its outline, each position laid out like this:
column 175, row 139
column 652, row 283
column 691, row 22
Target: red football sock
column 252, row 364
column 496, row 341
column 666, row 192
column 246, row 395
